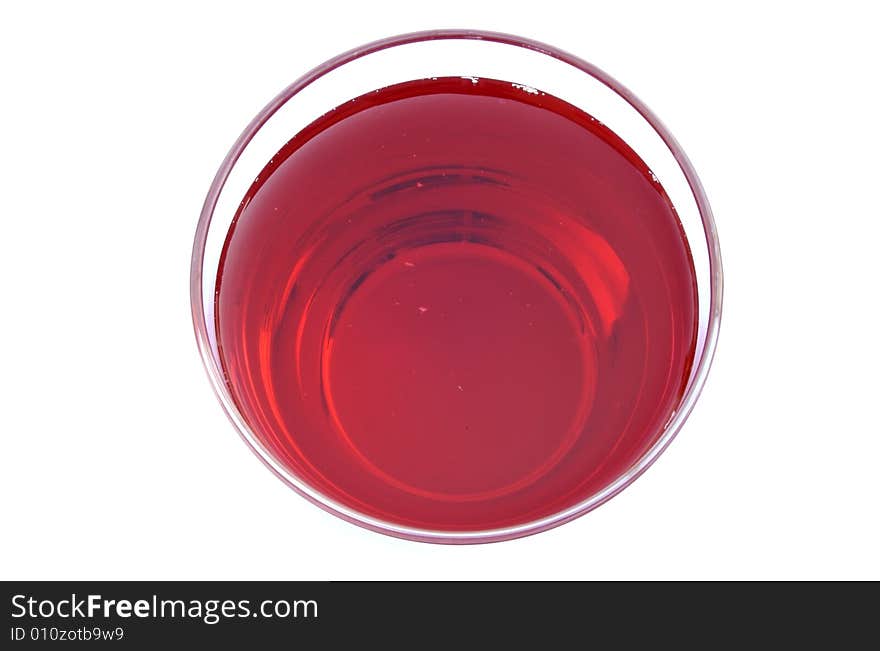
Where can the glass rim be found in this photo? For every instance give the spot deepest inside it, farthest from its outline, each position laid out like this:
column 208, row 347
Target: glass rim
column 683, row 409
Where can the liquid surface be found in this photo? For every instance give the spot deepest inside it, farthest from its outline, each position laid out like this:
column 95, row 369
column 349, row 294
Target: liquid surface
column 456, row 304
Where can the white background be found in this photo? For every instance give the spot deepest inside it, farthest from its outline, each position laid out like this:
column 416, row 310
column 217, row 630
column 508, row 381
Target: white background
column 117, row 462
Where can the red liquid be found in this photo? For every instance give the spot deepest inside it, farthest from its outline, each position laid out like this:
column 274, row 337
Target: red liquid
column 456, row 305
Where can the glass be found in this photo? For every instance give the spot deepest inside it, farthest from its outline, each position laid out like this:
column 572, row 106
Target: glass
column 472, row 55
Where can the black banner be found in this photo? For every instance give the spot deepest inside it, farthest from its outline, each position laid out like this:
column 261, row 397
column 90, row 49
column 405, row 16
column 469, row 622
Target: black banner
column 328, row 615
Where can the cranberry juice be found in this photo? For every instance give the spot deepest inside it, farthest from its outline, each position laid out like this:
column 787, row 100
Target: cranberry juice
column 456, row 304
